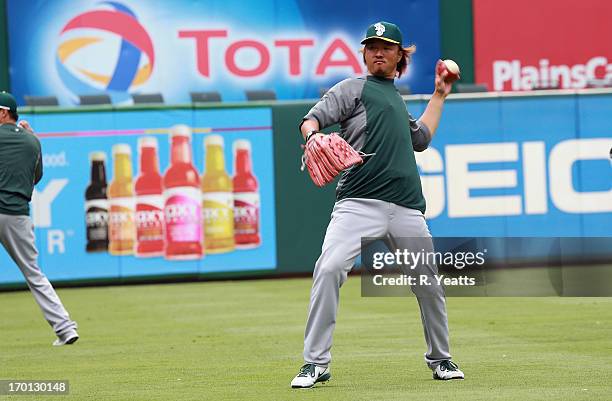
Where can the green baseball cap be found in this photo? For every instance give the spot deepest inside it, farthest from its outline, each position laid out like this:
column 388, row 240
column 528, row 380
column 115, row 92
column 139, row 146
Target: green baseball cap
column 8, row 102
column 384, row 31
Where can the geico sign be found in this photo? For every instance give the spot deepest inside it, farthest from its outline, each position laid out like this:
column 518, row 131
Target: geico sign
column 335, row 54
column 536, row 185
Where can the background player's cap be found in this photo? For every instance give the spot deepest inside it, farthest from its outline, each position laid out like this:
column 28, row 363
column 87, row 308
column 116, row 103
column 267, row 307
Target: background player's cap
column 385, row 31
column 8, row 102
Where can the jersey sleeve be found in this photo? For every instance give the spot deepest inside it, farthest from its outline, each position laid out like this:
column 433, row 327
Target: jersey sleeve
column 421, row 136
column 38, row 169
column 338, row 104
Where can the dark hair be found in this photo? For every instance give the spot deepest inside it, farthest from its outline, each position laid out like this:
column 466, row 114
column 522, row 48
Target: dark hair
column 13, row 115
column 404, row 61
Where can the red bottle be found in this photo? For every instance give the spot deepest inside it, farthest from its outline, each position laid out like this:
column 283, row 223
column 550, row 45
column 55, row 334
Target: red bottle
column 183, row 199
column 246, row 198
column 149, row 201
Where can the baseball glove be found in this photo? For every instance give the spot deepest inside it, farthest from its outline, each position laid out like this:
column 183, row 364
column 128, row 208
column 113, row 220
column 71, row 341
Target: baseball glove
column 326, row 156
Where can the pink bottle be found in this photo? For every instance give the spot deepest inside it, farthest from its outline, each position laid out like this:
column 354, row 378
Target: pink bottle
column 183, row 199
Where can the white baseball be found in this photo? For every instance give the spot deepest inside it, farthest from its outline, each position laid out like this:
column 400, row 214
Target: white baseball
column 452, row 66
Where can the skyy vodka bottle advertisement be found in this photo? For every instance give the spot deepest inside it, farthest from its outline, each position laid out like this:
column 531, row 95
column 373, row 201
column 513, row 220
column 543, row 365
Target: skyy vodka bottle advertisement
column 159, row 192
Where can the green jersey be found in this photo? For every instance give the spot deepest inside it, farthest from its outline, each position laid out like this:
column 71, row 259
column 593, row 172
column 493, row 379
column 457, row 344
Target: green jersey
column 20, row 169
column 374, row 120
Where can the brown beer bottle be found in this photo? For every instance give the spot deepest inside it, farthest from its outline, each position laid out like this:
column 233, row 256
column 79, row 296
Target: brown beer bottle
column 96, row 206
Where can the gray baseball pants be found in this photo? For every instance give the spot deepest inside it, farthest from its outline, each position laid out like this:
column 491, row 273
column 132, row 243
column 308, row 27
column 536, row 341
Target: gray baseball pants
column 17, row 237
column 351, row 220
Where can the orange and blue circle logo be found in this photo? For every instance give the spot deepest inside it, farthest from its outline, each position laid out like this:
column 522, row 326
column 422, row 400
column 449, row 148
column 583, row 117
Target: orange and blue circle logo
column 105, row 50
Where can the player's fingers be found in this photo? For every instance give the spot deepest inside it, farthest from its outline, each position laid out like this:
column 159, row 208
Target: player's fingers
column 25, row 125
column 440, row 79
column 447, row 88
column 438, row 67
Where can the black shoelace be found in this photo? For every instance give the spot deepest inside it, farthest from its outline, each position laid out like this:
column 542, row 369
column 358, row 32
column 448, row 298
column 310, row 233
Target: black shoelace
column 307, row 370
column 449, row 365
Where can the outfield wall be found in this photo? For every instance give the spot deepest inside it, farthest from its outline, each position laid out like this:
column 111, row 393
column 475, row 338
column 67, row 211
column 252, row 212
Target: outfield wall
column 499, row 166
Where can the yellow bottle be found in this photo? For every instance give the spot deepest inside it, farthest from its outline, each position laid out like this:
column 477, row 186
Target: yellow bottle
column 122, row 227
column 217, row 199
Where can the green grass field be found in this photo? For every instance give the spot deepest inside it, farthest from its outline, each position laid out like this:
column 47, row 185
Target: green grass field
column 243, row 340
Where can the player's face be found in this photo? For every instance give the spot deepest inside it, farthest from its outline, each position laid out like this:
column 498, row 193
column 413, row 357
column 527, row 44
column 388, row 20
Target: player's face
column 381, row 57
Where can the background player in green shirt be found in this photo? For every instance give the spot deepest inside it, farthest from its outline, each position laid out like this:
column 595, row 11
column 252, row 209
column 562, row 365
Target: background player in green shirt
column 380, row 198
column 21, row 169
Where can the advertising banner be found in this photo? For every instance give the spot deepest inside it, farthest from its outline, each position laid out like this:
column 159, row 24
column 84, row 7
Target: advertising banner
column 546, row 43
column 68, row 48
column 159, row 192
column 520, row 166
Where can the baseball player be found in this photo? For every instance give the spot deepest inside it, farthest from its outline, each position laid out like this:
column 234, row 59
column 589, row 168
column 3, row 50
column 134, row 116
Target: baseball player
column 380, row 198
column 21, row 169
